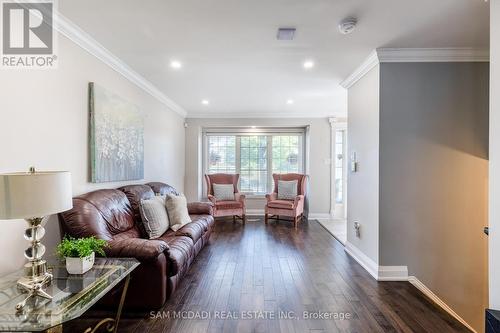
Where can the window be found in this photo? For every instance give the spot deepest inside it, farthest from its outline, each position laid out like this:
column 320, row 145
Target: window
column 339, row 166
column 255, row 156
column 222, row 154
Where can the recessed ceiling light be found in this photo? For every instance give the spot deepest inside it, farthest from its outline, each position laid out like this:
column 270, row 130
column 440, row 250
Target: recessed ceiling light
column 289, row 101
column 308, row 64
column 175, row 64
column 205, row 102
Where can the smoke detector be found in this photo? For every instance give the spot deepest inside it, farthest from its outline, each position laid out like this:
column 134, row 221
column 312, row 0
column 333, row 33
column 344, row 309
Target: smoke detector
column 347, row 25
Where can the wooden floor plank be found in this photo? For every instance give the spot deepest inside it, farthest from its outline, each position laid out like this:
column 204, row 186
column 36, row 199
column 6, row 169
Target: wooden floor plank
column 276, row 272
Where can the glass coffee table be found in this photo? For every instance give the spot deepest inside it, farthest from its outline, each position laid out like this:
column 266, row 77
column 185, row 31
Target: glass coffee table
column 72, row 296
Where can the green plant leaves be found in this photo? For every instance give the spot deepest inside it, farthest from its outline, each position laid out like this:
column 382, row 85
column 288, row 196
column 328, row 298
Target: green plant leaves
column 80, row 247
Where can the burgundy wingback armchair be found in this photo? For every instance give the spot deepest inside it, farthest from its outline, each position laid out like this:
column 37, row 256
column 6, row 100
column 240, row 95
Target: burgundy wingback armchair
column 234, row 208
column 291, row 208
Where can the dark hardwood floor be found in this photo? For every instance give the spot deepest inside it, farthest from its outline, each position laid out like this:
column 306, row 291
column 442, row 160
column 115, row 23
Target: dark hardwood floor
column 264, row 272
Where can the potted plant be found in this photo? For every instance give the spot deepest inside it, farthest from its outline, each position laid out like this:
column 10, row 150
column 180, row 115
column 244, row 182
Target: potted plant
column 80, row 253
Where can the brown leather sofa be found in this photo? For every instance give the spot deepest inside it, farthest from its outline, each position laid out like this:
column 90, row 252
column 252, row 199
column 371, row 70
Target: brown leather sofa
column 113, row 215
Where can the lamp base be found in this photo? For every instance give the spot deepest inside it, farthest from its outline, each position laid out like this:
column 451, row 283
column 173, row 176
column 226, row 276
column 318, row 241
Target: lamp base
column 37, row 277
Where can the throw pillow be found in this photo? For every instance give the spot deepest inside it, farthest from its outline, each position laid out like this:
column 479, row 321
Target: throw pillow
column 224, row 191
column 287, row 190
column 177, row 211
column 154, row 216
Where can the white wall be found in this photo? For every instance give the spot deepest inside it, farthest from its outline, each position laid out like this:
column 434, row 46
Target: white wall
column 363, row 186
column 44, row 123
column 494, row 156
column 319, row 182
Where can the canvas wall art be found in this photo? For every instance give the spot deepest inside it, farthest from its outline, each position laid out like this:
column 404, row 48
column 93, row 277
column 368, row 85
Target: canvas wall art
column 116, row 137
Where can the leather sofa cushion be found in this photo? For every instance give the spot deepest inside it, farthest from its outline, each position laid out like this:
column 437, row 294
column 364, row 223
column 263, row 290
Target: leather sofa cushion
column 162, row 188
column 193, row 230
column 180, row 252
column 136, row 193
column 284, row 204
column 207, row 220
column 229, row 204
column 102, row 213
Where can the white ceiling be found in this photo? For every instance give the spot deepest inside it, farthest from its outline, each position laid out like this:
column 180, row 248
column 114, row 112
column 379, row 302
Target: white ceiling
column 231, row 57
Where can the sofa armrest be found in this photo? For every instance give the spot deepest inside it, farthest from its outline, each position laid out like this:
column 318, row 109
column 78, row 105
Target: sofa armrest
column 240, row 197
column 212, row 199
column 142, row 249
column 200, row 208
column 271, row 196
column 298, row 199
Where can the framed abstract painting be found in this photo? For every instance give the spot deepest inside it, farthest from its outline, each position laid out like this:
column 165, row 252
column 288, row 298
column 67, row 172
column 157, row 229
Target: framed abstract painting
column 116, row 137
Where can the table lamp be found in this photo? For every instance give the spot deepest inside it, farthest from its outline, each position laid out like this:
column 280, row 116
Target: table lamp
column 34, row 196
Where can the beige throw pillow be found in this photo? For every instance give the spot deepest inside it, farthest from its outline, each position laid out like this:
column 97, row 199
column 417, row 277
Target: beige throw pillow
column 177, row 211
column 154, row 216
column 223, row 191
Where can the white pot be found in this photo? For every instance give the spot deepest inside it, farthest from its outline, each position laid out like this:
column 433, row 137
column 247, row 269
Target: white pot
column 80, row 265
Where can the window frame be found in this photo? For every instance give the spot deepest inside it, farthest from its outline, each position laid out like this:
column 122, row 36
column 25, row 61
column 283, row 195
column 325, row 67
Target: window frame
column 245, row 131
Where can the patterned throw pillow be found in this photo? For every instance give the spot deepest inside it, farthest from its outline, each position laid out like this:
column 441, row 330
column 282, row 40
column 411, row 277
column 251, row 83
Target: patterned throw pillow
column 177, row 211
column 287, row 190
column 154, row 216
column 224, row 191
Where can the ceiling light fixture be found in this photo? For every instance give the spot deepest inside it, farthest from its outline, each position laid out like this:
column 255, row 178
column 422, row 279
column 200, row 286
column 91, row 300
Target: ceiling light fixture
column 175, row 64
column 205, row 102
column 289, row 102
column 308, row 64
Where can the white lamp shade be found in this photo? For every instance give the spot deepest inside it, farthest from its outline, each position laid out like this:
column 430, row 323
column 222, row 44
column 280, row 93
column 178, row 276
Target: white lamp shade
column 38, row 194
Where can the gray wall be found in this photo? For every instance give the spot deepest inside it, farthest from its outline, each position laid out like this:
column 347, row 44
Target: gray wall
column 319, row 186
column 363, row 186
column 434, row 178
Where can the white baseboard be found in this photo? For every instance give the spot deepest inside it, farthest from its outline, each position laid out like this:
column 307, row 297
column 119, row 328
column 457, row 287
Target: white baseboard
column 392, row 273
column 255, row 211
column 367, row 263
column 319, row 216
column 312, row 216
column 427, row 292
column 379, row 273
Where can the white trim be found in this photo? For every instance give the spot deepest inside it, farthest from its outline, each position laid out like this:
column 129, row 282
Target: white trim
column 392, row 273
column 427, row 292
column 433, row 55
column 266, row 115
column 312, row 216
column 258, row 211
column 362, row 70
column 89, row 44
column 379, row 273
column 367, row 263
column 319, row 216
column 387, row 55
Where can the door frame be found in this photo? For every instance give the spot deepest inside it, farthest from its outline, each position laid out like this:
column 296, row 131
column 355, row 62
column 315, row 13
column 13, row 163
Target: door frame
column 338, row 211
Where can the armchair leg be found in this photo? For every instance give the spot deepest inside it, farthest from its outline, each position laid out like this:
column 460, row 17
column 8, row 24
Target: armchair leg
column 234, row 219
column 266, row 219
column 295, row 222
column 244, row 218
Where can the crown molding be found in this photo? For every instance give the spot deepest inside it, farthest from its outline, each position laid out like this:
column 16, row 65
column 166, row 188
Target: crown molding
column 362, row 70
column 388, row 55
column 248, row 115
column 433, row 55
column 89, row 44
